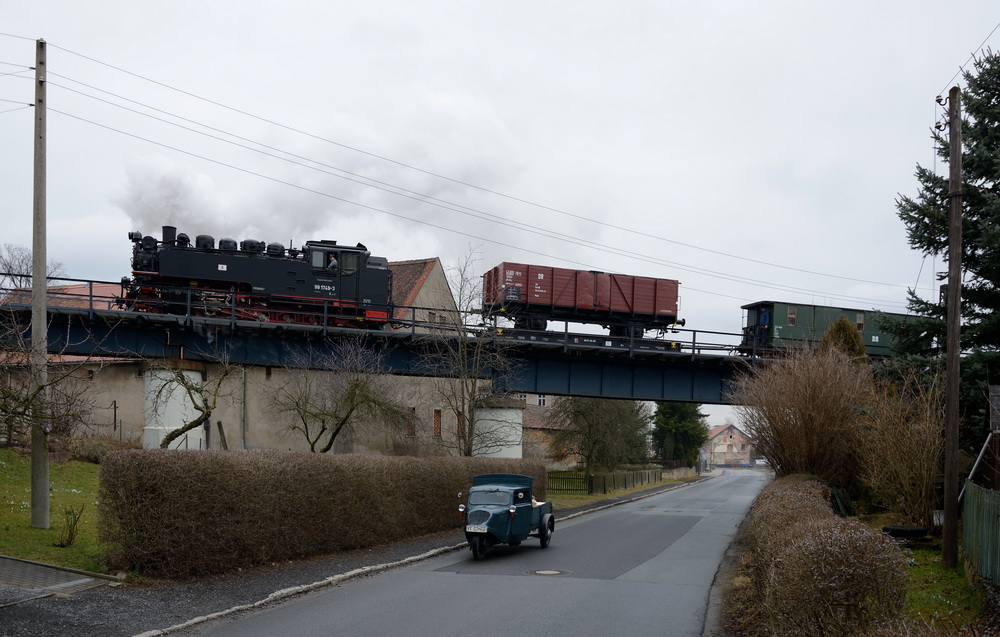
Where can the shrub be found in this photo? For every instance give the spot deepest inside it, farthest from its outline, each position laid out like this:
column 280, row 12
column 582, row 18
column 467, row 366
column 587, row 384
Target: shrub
column 182, row 513
column 812, row 572
column 834, row 576
column 94, row 449
column 802, row 410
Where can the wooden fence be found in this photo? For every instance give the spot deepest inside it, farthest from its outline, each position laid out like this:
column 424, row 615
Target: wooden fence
column 602, row 482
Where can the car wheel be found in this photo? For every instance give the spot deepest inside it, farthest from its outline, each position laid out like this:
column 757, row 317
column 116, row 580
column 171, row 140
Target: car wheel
column 545, row 533
column 478, row 543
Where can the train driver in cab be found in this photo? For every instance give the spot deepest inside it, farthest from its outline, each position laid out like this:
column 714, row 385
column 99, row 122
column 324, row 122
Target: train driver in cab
column 763, row 322
column 331, row 264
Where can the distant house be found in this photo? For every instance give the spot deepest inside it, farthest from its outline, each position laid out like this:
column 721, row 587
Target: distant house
column 727, row 446
column 540, row 431
column 421, row 294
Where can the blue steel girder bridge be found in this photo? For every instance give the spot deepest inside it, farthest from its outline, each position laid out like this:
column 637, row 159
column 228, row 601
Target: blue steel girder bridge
column 687, row 368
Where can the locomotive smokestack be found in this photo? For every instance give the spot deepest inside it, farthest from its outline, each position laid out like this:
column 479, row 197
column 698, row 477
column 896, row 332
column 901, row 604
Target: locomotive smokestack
column 169, row 235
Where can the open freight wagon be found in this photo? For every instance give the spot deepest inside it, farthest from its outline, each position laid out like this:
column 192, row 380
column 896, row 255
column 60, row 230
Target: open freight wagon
column 530, row 295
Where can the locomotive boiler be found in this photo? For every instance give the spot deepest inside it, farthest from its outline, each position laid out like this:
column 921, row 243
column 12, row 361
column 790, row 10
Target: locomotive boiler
column 323, row 283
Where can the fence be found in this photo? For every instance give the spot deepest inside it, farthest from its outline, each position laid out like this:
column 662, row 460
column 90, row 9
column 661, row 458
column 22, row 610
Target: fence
column 981, row 525
column 602, row 482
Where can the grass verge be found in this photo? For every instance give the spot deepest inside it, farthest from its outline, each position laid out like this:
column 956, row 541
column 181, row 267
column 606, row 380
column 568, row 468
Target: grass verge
column 568, row 501
column 72, row 486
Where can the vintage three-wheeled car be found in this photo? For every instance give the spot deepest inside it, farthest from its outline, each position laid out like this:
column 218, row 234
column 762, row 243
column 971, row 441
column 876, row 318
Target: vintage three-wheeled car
column 501, row 510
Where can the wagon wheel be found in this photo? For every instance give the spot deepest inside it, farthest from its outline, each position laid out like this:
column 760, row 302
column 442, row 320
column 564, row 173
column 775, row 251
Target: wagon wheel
column 286, row 318
column 261, row 317
column 478, row 543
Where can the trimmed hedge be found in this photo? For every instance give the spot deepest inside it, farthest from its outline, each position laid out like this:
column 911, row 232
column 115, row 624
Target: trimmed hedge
column 814, row 573
column 178, row 513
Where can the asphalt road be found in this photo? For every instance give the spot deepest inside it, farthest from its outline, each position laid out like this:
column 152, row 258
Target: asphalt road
column 641, row 568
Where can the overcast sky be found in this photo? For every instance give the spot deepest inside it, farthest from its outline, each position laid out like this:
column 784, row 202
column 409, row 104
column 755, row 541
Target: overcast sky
column 752, row 150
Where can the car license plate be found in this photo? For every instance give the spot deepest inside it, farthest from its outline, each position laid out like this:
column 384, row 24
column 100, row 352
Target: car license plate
column 476, row 528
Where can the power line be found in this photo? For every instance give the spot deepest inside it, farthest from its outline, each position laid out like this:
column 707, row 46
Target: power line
column 484, row 216
column 972, row 56
column 465, row 183
column 453, row 230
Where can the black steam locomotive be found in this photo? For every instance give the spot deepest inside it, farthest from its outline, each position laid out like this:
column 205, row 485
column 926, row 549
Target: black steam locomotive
column 320, row 284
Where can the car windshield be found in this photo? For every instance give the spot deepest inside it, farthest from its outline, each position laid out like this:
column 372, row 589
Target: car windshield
column 489, row 497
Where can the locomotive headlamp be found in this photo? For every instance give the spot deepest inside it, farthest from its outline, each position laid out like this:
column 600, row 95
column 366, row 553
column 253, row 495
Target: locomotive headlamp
column 135, row 235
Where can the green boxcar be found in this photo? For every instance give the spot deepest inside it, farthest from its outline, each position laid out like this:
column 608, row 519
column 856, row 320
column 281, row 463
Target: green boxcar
column 800, row 325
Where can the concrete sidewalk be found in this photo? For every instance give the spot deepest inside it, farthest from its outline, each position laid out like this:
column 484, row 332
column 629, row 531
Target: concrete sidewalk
column 23, row 580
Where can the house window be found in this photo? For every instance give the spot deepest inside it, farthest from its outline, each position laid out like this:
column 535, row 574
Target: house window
column 431, row 317
column 743, row 446
column 522, row 397
column 90, row 374
column 459, row 424
column 437, row 423
column 267, row 373
column 793, row 315
column 541, row 400
column 411, row 422
column 859, row 320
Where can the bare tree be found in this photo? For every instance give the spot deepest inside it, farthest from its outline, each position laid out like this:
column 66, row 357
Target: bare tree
column 203, row 391
column 803, row 410
column 341, row 392
column 62, row 403
column 602, row 432
column 15, row 266
column 465, row 357
column 901, row 445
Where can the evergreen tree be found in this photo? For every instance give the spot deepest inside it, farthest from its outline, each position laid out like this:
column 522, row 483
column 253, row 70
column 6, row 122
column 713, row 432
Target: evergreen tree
column 926, row 218
column 846, row 337
column 679, row 431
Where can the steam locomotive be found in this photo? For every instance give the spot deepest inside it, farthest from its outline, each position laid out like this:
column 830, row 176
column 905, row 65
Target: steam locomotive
column 321, row 284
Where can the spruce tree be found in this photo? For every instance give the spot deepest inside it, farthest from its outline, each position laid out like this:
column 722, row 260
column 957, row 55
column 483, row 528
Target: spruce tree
column 926, row 220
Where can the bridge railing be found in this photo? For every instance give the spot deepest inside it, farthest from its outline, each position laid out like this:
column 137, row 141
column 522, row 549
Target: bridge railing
column 68, row 295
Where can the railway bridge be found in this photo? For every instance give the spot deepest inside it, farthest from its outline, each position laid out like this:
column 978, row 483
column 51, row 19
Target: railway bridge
column 691, row 366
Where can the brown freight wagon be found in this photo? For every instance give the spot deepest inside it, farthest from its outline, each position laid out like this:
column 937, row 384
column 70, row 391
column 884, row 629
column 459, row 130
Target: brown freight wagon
column 530, row 295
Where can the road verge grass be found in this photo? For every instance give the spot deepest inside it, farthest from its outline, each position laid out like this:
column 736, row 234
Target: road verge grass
column 73, row 487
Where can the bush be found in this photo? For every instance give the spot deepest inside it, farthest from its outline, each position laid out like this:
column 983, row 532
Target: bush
column 802, row 410
column 94, row 449
column 812, row 572
column 183, row 513
column 833, row 577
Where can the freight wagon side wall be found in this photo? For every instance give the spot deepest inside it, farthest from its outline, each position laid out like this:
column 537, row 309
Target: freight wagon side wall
column 581, row 295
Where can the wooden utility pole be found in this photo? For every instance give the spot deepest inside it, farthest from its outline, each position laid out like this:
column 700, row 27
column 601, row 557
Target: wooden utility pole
column 39, row 310
column 949, row 528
